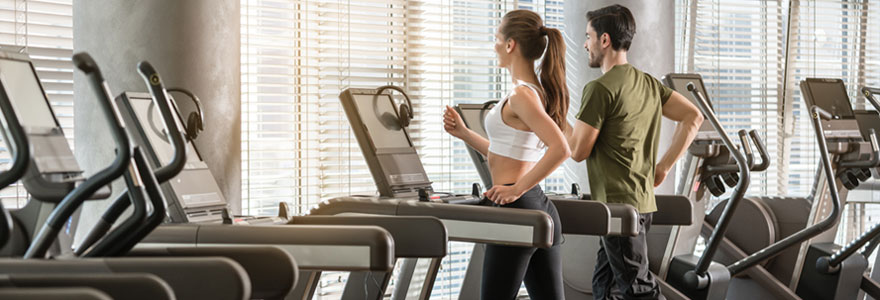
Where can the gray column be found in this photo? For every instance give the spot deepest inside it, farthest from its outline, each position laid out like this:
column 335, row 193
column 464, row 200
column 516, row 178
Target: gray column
column 652, row 51
column 194, row 44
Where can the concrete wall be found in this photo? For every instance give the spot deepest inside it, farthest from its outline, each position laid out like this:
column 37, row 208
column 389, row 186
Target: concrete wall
column 193, row 44
column 652, row 51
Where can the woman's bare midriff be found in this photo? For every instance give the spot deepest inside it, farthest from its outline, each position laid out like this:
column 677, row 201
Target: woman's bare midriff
column 506, row 170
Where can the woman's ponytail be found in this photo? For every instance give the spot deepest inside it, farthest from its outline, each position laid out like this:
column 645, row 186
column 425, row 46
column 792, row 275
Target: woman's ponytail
column 552, row 74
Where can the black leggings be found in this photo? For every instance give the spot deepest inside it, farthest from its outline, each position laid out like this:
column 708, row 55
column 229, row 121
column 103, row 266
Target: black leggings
column 505, row 268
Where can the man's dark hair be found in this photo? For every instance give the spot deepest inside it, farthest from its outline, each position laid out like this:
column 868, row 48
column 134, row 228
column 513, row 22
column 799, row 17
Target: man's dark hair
column 615, row 20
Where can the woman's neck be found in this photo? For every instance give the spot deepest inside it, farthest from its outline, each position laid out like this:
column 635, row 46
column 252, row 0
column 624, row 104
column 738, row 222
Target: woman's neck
column 523, row 70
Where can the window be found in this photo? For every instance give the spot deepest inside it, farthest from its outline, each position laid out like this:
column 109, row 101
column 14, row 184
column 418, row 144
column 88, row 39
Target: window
column 736, row 46
column 297, row 56
column 44, row 30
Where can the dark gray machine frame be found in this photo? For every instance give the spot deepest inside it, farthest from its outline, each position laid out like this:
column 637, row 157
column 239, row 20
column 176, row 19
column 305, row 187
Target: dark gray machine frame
column 839, row 271
column 316, row 248
column 222, row 270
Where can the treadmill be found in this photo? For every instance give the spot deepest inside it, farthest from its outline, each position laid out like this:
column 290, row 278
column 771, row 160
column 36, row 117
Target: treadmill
column 405, row 190
column 318, row 243
column 53, row 167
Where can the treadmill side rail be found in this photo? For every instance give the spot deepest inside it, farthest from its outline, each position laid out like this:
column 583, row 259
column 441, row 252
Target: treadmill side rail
column 315, row 247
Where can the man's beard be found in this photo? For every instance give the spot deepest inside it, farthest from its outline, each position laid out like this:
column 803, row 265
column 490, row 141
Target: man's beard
column 595, row 60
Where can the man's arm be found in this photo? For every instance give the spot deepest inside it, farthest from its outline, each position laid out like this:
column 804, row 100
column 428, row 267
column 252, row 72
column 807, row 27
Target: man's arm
column 689, row 118
column 581, row 138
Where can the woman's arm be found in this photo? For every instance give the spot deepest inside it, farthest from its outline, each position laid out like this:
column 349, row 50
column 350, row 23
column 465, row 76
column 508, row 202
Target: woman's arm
column 528, row 108
column 454, row 125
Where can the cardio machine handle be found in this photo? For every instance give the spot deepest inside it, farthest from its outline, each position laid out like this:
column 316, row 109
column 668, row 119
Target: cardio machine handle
column 817, row 114
column 154, row 219
column 163, row 102
column 869, row 95
column 163, row 174
column 762, row 151
column 131, row 195
column 697, row 278
column 123, row 239
column 20, row 148
column 75, row 198
column 746, row 147
column 875, row 154
column 830, row 264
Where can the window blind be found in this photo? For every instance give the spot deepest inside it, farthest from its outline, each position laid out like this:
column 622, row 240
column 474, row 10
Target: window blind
column 825, row 42
column 736, row 45
column 297, row 56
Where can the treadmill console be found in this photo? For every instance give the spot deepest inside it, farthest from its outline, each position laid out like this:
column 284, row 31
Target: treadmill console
column 388, row 148
column 54, row 170
column 193, row 196
column 679, row 82
column 830, row 95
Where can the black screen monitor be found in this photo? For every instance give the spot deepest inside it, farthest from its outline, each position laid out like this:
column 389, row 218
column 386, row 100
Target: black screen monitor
column 380, row 118
column 828, row 94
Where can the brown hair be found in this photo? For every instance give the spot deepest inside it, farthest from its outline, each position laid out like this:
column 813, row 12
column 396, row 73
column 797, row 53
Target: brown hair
column 615, row 20
column 527, row 29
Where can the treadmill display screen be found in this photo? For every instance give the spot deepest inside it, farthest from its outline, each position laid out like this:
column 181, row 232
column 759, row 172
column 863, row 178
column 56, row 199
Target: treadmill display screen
column 25, row 94
column 380, row 118
column 680, row 85
column 474, row 118
column 151, row 122
column 831, row 96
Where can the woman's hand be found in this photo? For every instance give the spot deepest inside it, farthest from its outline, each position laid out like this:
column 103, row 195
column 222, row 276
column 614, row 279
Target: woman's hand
column 503, row 194
column 453, row 124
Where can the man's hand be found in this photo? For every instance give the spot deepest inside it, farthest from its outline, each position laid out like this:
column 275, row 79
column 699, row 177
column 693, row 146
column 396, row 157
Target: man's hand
column 660, row 173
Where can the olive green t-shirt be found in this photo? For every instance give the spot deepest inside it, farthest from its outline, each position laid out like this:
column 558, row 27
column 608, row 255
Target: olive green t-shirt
column 625, row 104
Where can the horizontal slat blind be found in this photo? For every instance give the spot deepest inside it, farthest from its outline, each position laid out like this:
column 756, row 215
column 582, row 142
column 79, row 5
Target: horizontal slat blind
column 825, row 42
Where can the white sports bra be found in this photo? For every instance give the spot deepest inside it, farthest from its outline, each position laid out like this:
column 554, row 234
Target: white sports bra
column 511, row 142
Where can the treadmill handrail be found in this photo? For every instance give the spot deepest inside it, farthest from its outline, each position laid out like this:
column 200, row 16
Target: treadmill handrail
column 18, row 144
column 75, row 198
column 542, row 235
column 738, row 192
column 162, row 174
column 105, row 223
column 133, row 181
column 817, row 114
column 117, row 244
column 163, row 103
column 377, row 240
